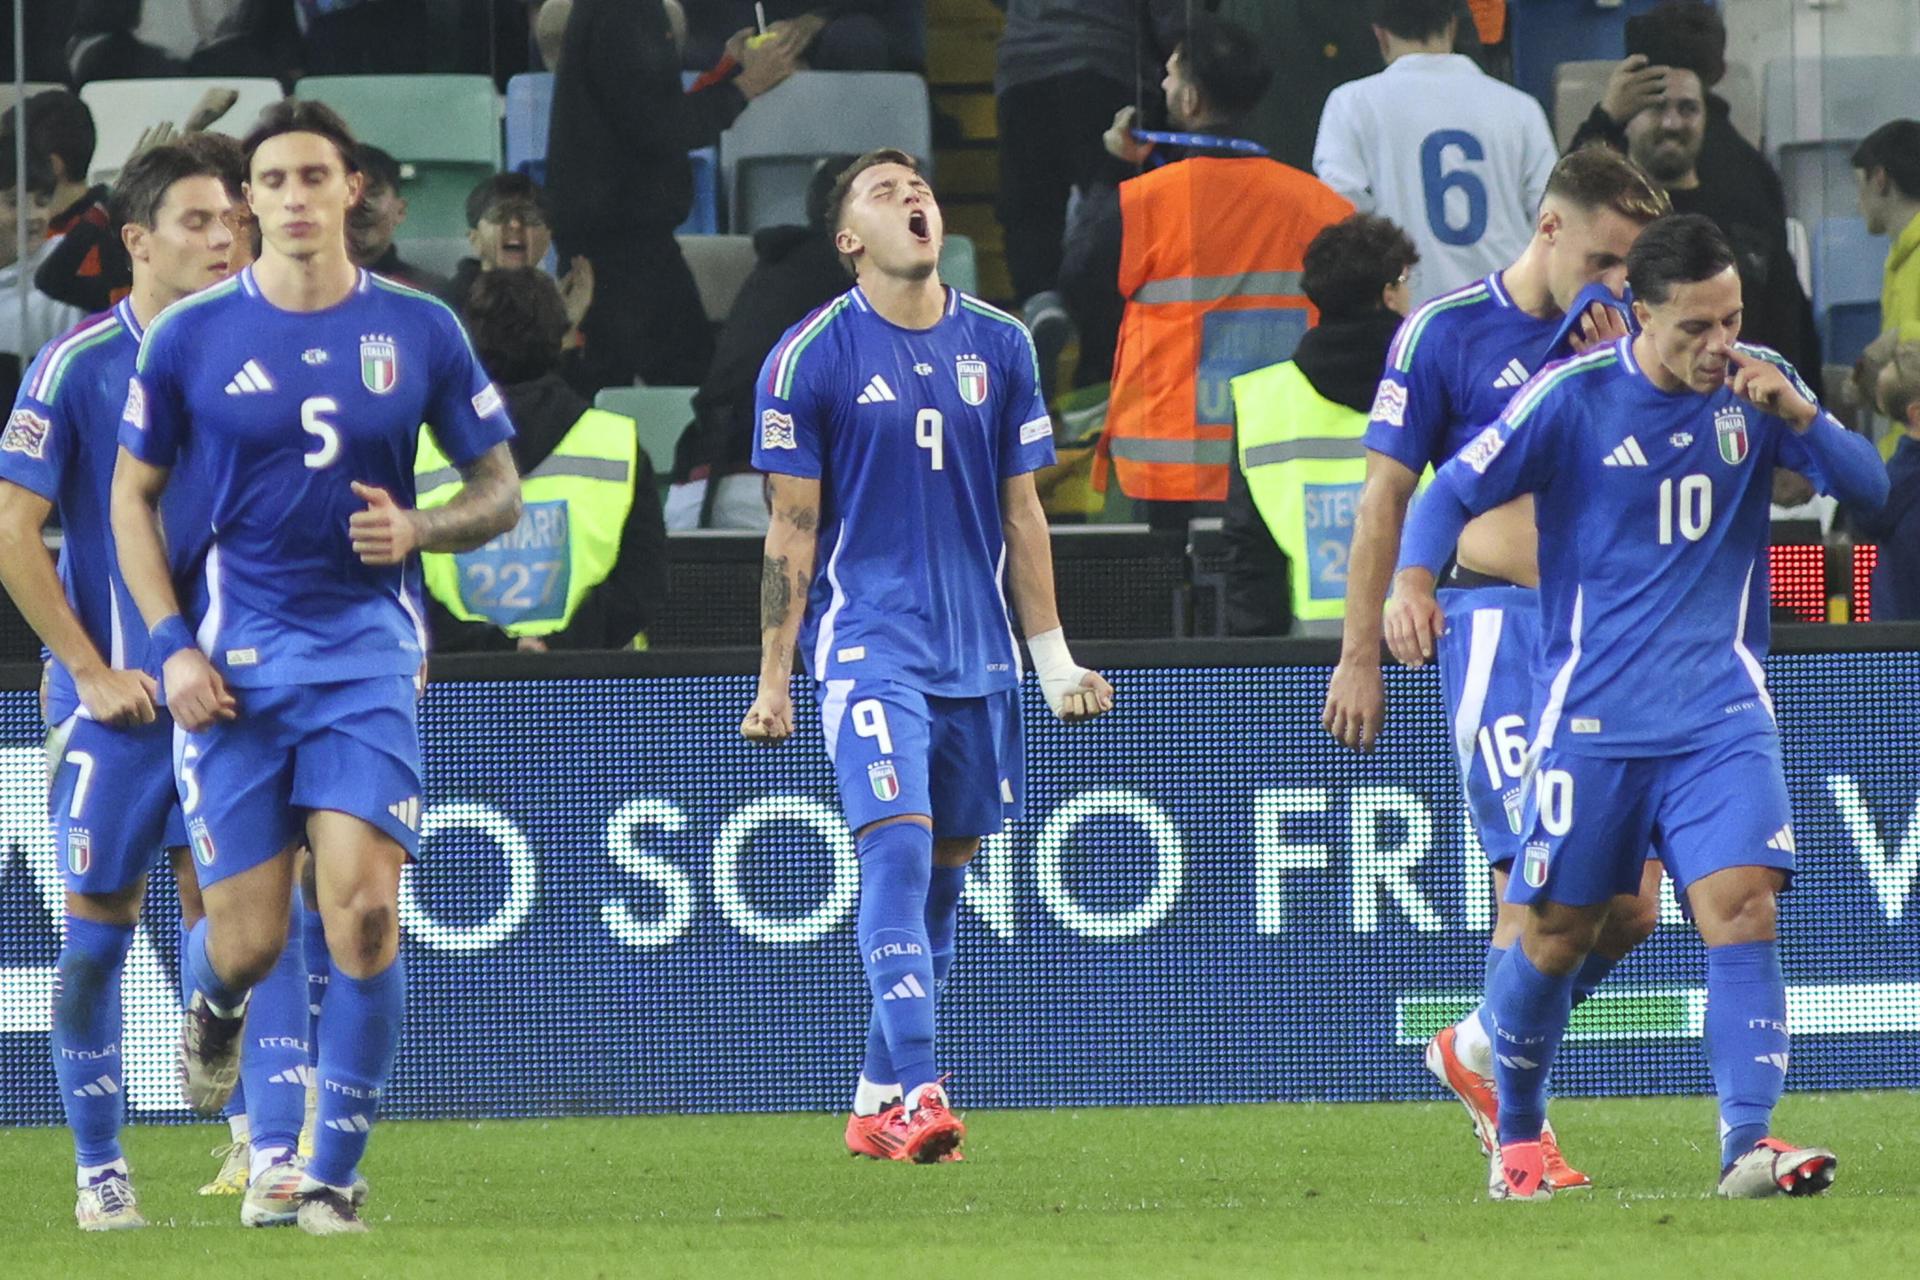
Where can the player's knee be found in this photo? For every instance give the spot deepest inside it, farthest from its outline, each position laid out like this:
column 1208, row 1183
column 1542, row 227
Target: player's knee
column 371, row 934
column 247, row 956
column 1558, row 940
column 955, row 851
column 1630, row 923
column 1748, row 914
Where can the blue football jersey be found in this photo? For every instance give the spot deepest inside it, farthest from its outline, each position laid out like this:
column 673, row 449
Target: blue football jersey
column 1653, row 515
column 60, row 443
column 273, row 414
column 910, row 433
column 1452, row 368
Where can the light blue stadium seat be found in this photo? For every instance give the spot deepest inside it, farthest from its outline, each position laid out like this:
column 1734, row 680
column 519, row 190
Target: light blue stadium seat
column 1849, row 266
column 1838, row 99
column 660, row 413
column 445, row 130
column 123, row 110
column 704, row 218
column 529, row 109
column 959, row 266
column 1546, row 33
column 768, row 157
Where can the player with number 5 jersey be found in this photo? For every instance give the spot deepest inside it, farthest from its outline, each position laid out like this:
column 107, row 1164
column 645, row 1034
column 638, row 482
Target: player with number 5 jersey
column 291, row 398
column 1651, row 463
column 901, row 424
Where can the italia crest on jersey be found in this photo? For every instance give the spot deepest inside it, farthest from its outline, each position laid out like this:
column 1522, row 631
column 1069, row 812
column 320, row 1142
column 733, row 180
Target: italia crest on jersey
column 1730, row 428
column 884, row 781
column 972, row 372
column 379, row 363
column 79, row 850
column 1534, row 866
column 202, row 841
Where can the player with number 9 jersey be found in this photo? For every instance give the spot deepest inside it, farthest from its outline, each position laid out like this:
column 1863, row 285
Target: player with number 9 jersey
column 902, row 424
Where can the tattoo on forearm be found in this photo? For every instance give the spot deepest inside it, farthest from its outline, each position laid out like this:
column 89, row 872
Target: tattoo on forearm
column 805, row 519
column 776, row 593
column 487, row 505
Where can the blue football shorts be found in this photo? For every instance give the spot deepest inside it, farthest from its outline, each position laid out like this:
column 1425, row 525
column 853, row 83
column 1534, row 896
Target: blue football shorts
column 897, row 751
column 112, row 802
column 1486, row 677
column 1592, row 818
column 247, row 785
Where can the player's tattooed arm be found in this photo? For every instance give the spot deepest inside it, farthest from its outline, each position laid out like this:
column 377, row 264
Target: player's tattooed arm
column 786, row 571
column 487, row 505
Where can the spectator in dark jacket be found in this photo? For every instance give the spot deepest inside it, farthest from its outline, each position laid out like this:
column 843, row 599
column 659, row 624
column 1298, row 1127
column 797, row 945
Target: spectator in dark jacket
column 517, row 321
column 89, row 268
column 1896, row 526
column 798, row 269
column 621, row 181
column 372, row 224
column 127, row 39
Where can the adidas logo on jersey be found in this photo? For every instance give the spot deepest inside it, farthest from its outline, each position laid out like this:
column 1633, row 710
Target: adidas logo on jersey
column 1512, row 376
column 1627, row 454
column 908, row 988
column 104, row 1087
column 1783, row 840
column 407, row 811
column 877, row 392
column 251, row 380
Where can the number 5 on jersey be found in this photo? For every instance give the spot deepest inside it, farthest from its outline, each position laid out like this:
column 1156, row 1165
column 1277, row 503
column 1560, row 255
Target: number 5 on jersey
column 317, row 426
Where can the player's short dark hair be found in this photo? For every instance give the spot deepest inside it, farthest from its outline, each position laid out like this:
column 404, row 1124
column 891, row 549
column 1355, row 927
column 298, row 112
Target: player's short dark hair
column 300, row 115
column 1598, row 177
column 1682, row 33
column 142, row 186
column 223, row 152
column 517, row 321
column 1225, row 62
column 58, row 124
column 502, row 188
column 379, row 166
column 1894, row 147
column 1681, row 249
column 826, row 175
column 1414, row 19
column 1349, row 263
column 40, row 180
column 836, row 204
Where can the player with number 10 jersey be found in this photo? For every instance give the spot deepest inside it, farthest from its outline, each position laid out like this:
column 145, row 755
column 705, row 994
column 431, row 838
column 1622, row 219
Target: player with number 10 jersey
column 902, row 424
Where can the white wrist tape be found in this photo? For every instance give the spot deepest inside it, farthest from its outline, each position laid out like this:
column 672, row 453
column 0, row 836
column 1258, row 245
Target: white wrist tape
column 1059, row 674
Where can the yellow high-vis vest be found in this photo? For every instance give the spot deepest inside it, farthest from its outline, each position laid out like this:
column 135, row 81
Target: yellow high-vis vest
column 574, row 506
column 1305, row 459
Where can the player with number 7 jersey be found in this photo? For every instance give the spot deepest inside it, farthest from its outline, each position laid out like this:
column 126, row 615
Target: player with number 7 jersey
column 291, row 397
column 1651, row 465
column 902, row 424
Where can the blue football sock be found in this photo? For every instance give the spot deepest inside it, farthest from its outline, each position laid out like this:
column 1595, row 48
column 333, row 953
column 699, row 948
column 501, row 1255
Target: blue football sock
column 1592, row 972
column 86, row 1036
column 1746, row 1040
column 359, row 1033
column 943, row 919
column 273, row 1060
column 896, row 863
column 319, row 972
column 186, row 964
column 205, row 979
column 1495, row 957
column 1530, row 1011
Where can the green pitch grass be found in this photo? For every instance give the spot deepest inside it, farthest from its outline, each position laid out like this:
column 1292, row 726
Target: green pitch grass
column 1217, row 1191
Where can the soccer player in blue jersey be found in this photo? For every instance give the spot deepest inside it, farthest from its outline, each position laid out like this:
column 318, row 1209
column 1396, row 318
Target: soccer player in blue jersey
column 291, row 397
column 112, row 800
column 1651, row 463
column 1453, row 367
column 901, row 425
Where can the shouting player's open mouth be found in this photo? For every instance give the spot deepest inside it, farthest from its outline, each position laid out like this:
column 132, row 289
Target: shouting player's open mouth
column 919, row 226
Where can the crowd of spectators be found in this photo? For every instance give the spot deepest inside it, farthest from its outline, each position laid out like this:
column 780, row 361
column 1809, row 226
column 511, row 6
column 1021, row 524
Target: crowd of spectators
column 1140, row 151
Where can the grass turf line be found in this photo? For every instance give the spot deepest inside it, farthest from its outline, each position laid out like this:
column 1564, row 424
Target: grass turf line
column 1378, row 1190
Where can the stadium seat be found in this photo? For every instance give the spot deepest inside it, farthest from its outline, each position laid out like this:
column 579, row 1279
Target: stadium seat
column 768, row 157
column 958, row 264
column 1546, row 33
column 1848, row 268
column 720, row 266
column 661, row 413
column 704, row 218
column 438, row 254
column 529, row 108
column 124, row 109
column 1579, row 86
column 444, row 129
